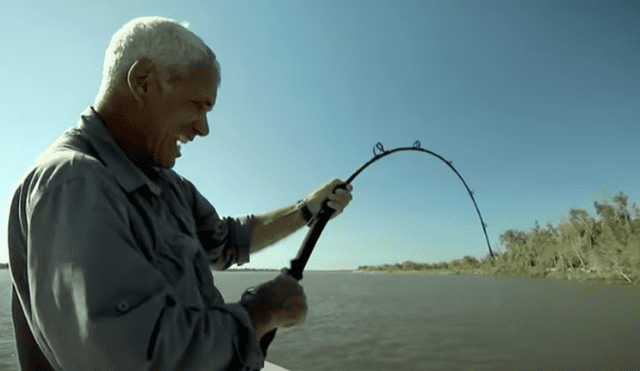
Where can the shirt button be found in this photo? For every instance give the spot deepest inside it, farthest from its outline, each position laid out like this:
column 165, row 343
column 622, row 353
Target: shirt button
column 123, row 306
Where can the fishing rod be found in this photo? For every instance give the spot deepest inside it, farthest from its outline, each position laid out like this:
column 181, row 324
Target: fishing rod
column 320, row 220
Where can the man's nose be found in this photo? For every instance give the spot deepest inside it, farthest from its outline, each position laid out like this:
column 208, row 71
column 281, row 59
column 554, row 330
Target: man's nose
column 203, row 127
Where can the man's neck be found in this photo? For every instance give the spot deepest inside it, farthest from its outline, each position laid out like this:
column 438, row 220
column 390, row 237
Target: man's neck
column 122, row 131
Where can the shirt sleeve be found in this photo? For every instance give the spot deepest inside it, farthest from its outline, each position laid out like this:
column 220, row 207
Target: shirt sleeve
column 99, row 304
column 225, row 240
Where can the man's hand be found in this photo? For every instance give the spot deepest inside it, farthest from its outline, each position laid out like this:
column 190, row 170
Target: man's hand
column 271, row 227
column 280, row 302
column 337, row 198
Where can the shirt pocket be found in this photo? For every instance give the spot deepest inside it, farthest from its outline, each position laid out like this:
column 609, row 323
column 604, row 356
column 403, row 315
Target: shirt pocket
column 175, row 259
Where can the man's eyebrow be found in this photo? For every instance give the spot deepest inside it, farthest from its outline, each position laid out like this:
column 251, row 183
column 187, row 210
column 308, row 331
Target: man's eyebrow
column 205, row 102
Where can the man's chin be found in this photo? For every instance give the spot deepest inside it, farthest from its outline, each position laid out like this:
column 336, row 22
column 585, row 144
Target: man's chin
column 169, row 166
column 167, row 163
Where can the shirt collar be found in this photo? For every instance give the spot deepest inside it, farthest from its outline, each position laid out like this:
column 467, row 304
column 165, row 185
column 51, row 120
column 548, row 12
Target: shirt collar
column 129, row 176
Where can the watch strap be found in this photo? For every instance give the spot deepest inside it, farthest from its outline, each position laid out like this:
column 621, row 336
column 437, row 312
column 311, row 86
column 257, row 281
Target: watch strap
column 304, row 209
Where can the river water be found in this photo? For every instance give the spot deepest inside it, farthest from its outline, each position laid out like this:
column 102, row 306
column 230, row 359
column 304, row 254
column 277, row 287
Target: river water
column 365, row 322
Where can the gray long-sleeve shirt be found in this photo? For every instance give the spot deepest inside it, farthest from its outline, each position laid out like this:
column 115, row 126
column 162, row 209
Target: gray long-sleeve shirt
column 111, row 265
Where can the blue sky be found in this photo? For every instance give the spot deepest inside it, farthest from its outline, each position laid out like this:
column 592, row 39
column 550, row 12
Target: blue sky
column 537, row 104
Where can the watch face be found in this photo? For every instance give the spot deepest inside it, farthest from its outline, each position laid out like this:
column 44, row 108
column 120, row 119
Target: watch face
column 249, row 292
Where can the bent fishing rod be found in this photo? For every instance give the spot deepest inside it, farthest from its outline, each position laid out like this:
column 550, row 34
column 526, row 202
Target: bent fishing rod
column 320, row 220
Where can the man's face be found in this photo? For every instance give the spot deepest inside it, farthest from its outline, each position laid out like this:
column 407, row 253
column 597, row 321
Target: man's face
column 179, row 113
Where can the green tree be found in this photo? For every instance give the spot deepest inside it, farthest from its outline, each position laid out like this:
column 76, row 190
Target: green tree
column 536, row 228
column 470, row 260
column 579, row 216
column 636, row 212
column 621, row 201
column 512, row 238
column 605, row 211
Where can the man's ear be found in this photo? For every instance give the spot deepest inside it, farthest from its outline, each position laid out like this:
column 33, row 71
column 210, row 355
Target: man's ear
column 140, row 78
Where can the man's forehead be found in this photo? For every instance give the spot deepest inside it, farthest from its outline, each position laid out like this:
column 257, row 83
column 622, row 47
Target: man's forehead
column 200, row 82
column 202, row 74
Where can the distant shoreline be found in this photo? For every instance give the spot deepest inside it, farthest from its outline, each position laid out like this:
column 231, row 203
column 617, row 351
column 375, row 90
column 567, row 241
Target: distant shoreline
column 579, row 275
column 278, row 270
column 408, row 271
column 603, row 248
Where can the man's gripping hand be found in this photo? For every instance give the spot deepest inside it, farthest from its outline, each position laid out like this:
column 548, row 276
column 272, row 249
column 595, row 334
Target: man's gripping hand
column 336, row 198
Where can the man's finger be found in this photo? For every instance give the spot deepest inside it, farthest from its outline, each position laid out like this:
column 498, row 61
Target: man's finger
column 335, row 206
column 345, row 194
column 343, row 197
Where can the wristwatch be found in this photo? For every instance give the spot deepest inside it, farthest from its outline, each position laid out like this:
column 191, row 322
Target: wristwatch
column 304, row 209
column 248, row 292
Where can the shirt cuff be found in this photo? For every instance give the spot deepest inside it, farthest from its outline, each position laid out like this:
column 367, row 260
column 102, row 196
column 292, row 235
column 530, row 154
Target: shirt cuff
column 244, row 236
column 246, row 344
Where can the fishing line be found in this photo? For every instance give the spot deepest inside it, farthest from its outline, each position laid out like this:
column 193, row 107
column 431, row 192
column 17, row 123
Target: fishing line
column 320, row 221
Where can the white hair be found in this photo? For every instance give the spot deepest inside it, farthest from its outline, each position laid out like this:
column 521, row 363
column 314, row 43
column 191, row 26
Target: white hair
column 169, row 45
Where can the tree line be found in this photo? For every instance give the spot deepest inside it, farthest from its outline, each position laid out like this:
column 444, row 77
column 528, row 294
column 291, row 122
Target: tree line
column 604, row 247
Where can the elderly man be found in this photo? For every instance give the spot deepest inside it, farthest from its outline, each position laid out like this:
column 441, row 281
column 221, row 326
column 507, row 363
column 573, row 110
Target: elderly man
column 110, row 249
